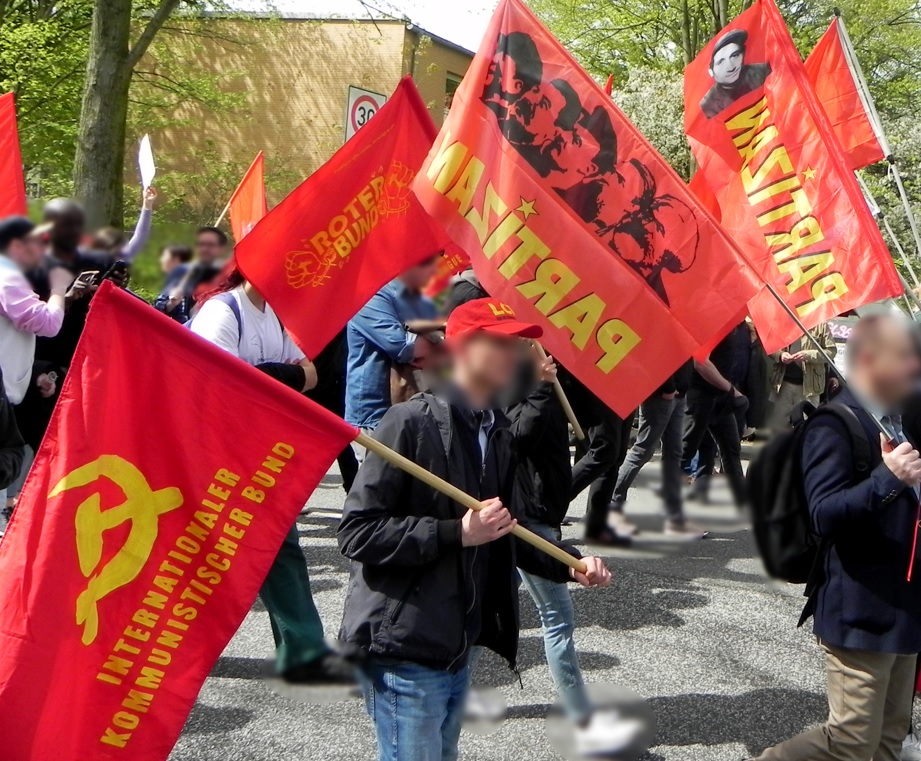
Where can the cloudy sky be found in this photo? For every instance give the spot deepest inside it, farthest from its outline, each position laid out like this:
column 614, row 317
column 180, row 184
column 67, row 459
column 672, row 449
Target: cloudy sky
column 460, row 21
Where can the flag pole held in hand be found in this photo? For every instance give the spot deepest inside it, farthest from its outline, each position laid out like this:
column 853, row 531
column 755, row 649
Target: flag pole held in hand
column 462, row 498
column 564, row 401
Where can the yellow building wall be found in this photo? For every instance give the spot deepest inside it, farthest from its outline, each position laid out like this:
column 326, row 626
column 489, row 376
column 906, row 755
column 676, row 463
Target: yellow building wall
column 290, row 81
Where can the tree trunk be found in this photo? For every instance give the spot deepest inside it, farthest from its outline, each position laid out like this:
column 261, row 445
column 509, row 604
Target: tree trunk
column 100, row 160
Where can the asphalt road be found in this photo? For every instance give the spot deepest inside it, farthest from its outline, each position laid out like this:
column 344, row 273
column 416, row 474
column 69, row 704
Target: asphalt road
column 694, row 628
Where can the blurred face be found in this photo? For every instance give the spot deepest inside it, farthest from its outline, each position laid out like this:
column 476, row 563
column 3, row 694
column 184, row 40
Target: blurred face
column 208, row 247
column 490, row 362
column 168, row 262
column 727, row 64
column 892, row 363
column 27, row 253
column 418, row 277
column 67, row 230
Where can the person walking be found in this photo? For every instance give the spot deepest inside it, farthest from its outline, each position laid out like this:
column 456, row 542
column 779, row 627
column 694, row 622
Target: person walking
column 239, row 321
column 866, row 607
column 798, row 374
column 661, row 421
column 428, row 579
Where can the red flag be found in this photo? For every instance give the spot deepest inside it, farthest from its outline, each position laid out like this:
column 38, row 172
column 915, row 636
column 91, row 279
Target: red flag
column 707, row 198
column 836, row 88
column 135, row 552
column 609, row 85
column 247, row 204
column 453, row 260
column 572, row 219
column 350, row 228
column 12, row 183
column 787, row 195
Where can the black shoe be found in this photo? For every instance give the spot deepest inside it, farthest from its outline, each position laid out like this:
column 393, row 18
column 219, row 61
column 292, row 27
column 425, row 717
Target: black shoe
column 608, row 538
column 328, row 669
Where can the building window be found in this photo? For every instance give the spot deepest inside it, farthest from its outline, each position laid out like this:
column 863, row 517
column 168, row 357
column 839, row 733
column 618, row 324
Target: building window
column 452, row 82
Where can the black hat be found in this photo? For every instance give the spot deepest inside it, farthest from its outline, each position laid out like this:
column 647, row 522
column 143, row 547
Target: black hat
column 14, row 228
column 737, row 36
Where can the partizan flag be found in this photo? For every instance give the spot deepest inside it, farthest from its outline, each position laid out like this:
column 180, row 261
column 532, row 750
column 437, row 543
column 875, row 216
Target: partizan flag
column 135, row 551
column 786, row 193
column 12, row 184
column 247, row 204
column 351, row 227
column 835, row 85
column 572, row 219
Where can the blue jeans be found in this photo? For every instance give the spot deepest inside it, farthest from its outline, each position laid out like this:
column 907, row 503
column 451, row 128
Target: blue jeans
column 554, row 605
column 417, row 711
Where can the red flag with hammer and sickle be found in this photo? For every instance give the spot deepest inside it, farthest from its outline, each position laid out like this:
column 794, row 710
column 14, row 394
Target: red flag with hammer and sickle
column 157, row 502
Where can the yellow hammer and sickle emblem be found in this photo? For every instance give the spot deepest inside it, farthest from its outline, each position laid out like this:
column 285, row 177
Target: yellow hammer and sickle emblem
column 142, row 506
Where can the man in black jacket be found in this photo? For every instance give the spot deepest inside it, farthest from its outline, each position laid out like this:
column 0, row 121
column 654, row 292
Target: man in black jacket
column 12, row 449
column 867, row 608
column 429, row 580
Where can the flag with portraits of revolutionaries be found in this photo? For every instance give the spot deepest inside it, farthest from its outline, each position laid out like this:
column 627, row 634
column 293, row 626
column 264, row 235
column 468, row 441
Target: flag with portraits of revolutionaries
column 786, row 192
column 169, row 475
column 572, row 219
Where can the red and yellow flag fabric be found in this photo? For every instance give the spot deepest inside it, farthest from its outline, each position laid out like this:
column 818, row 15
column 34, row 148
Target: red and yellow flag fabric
column 786, row 193
column 12, row 183
column 135, row 551
column 247, row 204
column 836, row 88
column 572, row 219
column 350, row 228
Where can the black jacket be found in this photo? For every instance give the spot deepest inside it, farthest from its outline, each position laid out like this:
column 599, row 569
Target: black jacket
column 415, row 593
column 865, row 601
column 11, row 442
column 543, row 476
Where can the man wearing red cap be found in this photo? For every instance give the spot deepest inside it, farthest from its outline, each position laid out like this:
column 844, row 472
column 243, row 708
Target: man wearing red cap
column 429, row 579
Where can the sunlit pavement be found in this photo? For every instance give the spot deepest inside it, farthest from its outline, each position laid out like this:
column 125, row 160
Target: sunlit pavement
column 694, row 628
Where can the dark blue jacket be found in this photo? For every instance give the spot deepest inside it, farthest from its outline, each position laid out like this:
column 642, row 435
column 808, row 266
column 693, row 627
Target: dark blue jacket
column 865, row 601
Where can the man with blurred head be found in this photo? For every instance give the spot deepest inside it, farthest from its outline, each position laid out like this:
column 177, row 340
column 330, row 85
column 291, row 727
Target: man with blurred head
column 378, row 339
column 867, row 606
column 429, row 580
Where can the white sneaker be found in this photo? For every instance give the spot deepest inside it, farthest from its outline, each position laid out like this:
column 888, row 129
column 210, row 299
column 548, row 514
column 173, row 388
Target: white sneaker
column 684, row 530
column 911, row 748
column 607, row 733
column 621, row 525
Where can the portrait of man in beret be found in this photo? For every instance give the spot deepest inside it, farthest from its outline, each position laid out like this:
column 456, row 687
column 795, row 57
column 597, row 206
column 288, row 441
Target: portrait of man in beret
column 732, row 77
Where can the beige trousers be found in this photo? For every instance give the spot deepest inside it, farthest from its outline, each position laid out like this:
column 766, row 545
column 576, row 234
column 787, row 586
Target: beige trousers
column 869, row 708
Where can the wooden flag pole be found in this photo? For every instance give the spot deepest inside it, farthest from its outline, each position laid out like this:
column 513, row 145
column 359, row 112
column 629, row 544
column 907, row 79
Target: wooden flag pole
column 464, row 499
column 561, row 395
column 222, row 215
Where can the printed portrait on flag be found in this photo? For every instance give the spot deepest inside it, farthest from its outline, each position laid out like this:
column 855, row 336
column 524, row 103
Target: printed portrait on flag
column 732, row 76
column 570, row 140
column 573, row 219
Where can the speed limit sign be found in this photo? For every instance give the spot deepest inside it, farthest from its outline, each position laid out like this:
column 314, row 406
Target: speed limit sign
column 361, row 107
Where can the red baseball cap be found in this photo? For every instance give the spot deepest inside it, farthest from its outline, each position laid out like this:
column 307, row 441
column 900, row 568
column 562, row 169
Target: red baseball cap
column 488, row 316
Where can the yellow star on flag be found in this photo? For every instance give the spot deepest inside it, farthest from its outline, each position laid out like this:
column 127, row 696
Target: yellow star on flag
column 527, row 208
column 809, row 173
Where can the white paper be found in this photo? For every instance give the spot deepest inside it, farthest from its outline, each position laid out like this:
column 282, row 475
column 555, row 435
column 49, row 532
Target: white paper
column 146, row 162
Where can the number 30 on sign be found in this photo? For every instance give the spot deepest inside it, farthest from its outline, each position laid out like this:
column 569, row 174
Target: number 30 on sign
column 361, row 106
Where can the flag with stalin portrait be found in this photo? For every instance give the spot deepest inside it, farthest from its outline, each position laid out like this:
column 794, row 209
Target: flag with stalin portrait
column 784, row 187
column 136, row 550
column 349, row 228
column 573, row 219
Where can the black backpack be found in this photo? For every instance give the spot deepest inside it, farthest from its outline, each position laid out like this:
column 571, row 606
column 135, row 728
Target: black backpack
column 780, row 515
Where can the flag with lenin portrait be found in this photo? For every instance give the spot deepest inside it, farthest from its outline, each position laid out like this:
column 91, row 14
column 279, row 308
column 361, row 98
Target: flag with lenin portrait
column 571, row 218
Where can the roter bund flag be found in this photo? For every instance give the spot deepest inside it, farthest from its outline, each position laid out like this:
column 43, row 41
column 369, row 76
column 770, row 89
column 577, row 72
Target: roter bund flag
column 135, row 551
column 351, row 227
column 786, row 193
column 573, row 220
column 836, row 87
column 12, row 183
